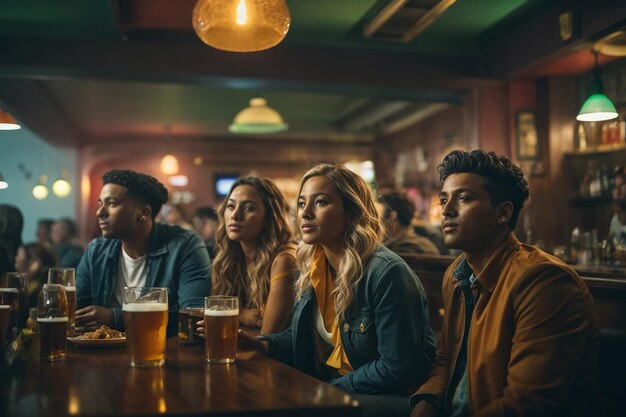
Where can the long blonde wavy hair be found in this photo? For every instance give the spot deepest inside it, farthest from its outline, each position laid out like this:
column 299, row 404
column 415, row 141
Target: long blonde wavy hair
column 232, row 275
column 363, row 234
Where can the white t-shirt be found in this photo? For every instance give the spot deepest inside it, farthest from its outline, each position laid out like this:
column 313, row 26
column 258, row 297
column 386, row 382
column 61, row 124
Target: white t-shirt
column 131, row 273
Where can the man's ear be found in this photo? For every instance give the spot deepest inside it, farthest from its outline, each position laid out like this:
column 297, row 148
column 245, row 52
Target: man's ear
column 504, row 212
column 393, row 216
column 145, row 213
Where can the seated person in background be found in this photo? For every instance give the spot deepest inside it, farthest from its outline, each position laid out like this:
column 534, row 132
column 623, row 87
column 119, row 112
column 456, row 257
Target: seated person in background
column 519, row 330
column 205, row 222
column 397, row 216
column 44, row 232
column 173, row 215
column 256, row 256
column 11, row 224
column 62, row 233
column 360, row 320
column 34, row 259
column 617, row 229
column 135, row 251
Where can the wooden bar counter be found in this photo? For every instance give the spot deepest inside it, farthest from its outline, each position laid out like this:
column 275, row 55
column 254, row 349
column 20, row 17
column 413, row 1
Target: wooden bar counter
column 99, row 382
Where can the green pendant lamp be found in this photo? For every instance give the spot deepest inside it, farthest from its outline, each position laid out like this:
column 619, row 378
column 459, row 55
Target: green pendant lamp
column 258, row 118
column 598, row 107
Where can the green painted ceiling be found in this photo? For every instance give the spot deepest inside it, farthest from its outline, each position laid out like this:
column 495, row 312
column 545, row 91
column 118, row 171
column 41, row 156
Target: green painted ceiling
column 335, row 23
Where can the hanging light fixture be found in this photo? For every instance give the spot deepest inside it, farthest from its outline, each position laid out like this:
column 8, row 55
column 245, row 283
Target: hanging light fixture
column 61, row 187
column 3, row 183
column 258, row 118
column 169, row 165
column 7, row 122
column 241, row 25
column 598, row 107
column 40, row 191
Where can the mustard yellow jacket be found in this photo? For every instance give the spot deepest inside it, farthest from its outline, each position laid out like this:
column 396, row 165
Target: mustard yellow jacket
column 532, row 347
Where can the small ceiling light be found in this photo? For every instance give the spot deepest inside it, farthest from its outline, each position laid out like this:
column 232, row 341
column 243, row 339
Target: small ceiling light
column 3, row 183
column 598, row 107
column 169, row 165
column 258, row 118
column 7, row 122
column 40, row 192
column 241, row 25
column 61, row 188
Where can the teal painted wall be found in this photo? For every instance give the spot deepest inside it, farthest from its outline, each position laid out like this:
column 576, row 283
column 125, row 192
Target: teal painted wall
column 22, row 148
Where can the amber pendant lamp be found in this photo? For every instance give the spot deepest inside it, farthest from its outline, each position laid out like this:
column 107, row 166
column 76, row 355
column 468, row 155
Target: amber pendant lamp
column 241, row 25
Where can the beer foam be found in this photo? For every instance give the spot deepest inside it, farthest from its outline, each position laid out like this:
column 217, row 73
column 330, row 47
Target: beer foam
column 52, row 319
column 219, row 313
column 144, row 307
column 70, row 289
column 4, row 307
column 8, row 289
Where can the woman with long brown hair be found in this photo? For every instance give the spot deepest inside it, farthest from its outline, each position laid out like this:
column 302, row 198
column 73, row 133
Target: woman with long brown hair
column 255, row 254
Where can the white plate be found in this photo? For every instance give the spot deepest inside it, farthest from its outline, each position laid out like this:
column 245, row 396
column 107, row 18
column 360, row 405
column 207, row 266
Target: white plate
column 79, row 341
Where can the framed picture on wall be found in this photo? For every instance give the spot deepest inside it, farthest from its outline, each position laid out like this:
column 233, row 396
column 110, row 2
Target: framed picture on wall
column 528, row 148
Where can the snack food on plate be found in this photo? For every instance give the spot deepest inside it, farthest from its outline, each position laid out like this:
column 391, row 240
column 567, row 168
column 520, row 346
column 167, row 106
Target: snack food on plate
column 103, row 332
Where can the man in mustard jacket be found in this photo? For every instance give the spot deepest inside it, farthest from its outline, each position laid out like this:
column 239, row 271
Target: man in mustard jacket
column 520, row 333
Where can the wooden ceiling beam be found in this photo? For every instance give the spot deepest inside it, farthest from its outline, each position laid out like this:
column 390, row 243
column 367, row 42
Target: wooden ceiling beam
column 383, row 74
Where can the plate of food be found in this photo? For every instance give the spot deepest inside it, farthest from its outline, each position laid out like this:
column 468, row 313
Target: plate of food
column 104, row 336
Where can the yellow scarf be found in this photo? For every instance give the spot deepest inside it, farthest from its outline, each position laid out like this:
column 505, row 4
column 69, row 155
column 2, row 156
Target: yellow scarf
column 323, row 286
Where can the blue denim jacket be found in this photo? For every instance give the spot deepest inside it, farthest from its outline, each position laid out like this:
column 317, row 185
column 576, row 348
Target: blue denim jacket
column 386, row 332
column 177, row 259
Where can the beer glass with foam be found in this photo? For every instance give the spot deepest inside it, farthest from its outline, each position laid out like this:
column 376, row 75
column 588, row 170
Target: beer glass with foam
column 5, row 315
column 52, row 321
column 67, row 278
column 221, row 324
column 13, row 287
column 145, row 320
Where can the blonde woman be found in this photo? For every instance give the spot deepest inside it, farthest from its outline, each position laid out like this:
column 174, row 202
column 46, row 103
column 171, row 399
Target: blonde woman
column 255, row 254
column 360, row 320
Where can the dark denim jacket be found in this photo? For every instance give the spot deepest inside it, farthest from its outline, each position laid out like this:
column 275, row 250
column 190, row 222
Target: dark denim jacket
column 386, row 333
column 177, row 260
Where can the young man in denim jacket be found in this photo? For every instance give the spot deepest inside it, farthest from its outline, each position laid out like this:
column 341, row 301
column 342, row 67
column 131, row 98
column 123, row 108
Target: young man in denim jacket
column 135, row 251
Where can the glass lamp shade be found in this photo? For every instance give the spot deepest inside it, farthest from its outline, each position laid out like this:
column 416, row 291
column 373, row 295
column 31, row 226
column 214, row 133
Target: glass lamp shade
column 169, row 165
column 7, row 122
column 241, row 25
column 598, row 107
column 61, row 188
column 258, row 118
column 40, row 192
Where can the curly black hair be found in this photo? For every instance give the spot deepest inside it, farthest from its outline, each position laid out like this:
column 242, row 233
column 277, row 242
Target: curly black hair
column 504, row 181
column 400, row 203
column 141, row 187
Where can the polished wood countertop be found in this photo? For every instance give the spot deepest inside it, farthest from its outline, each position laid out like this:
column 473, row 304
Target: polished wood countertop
column 99, row 382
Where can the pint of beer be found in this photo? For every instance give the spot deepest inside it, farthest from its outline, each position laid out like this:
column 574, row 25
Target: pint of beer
column 187, row 328
column 52, row 321
column 221, row 324
column 145, row 319
column 9, row 298
column 67, row 278
column 15, row 283
column 5, row 312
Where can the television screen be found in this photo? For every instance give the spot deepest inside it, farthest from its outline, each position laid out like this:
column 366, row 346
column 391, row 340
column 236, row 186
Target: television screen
column 223, row 182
